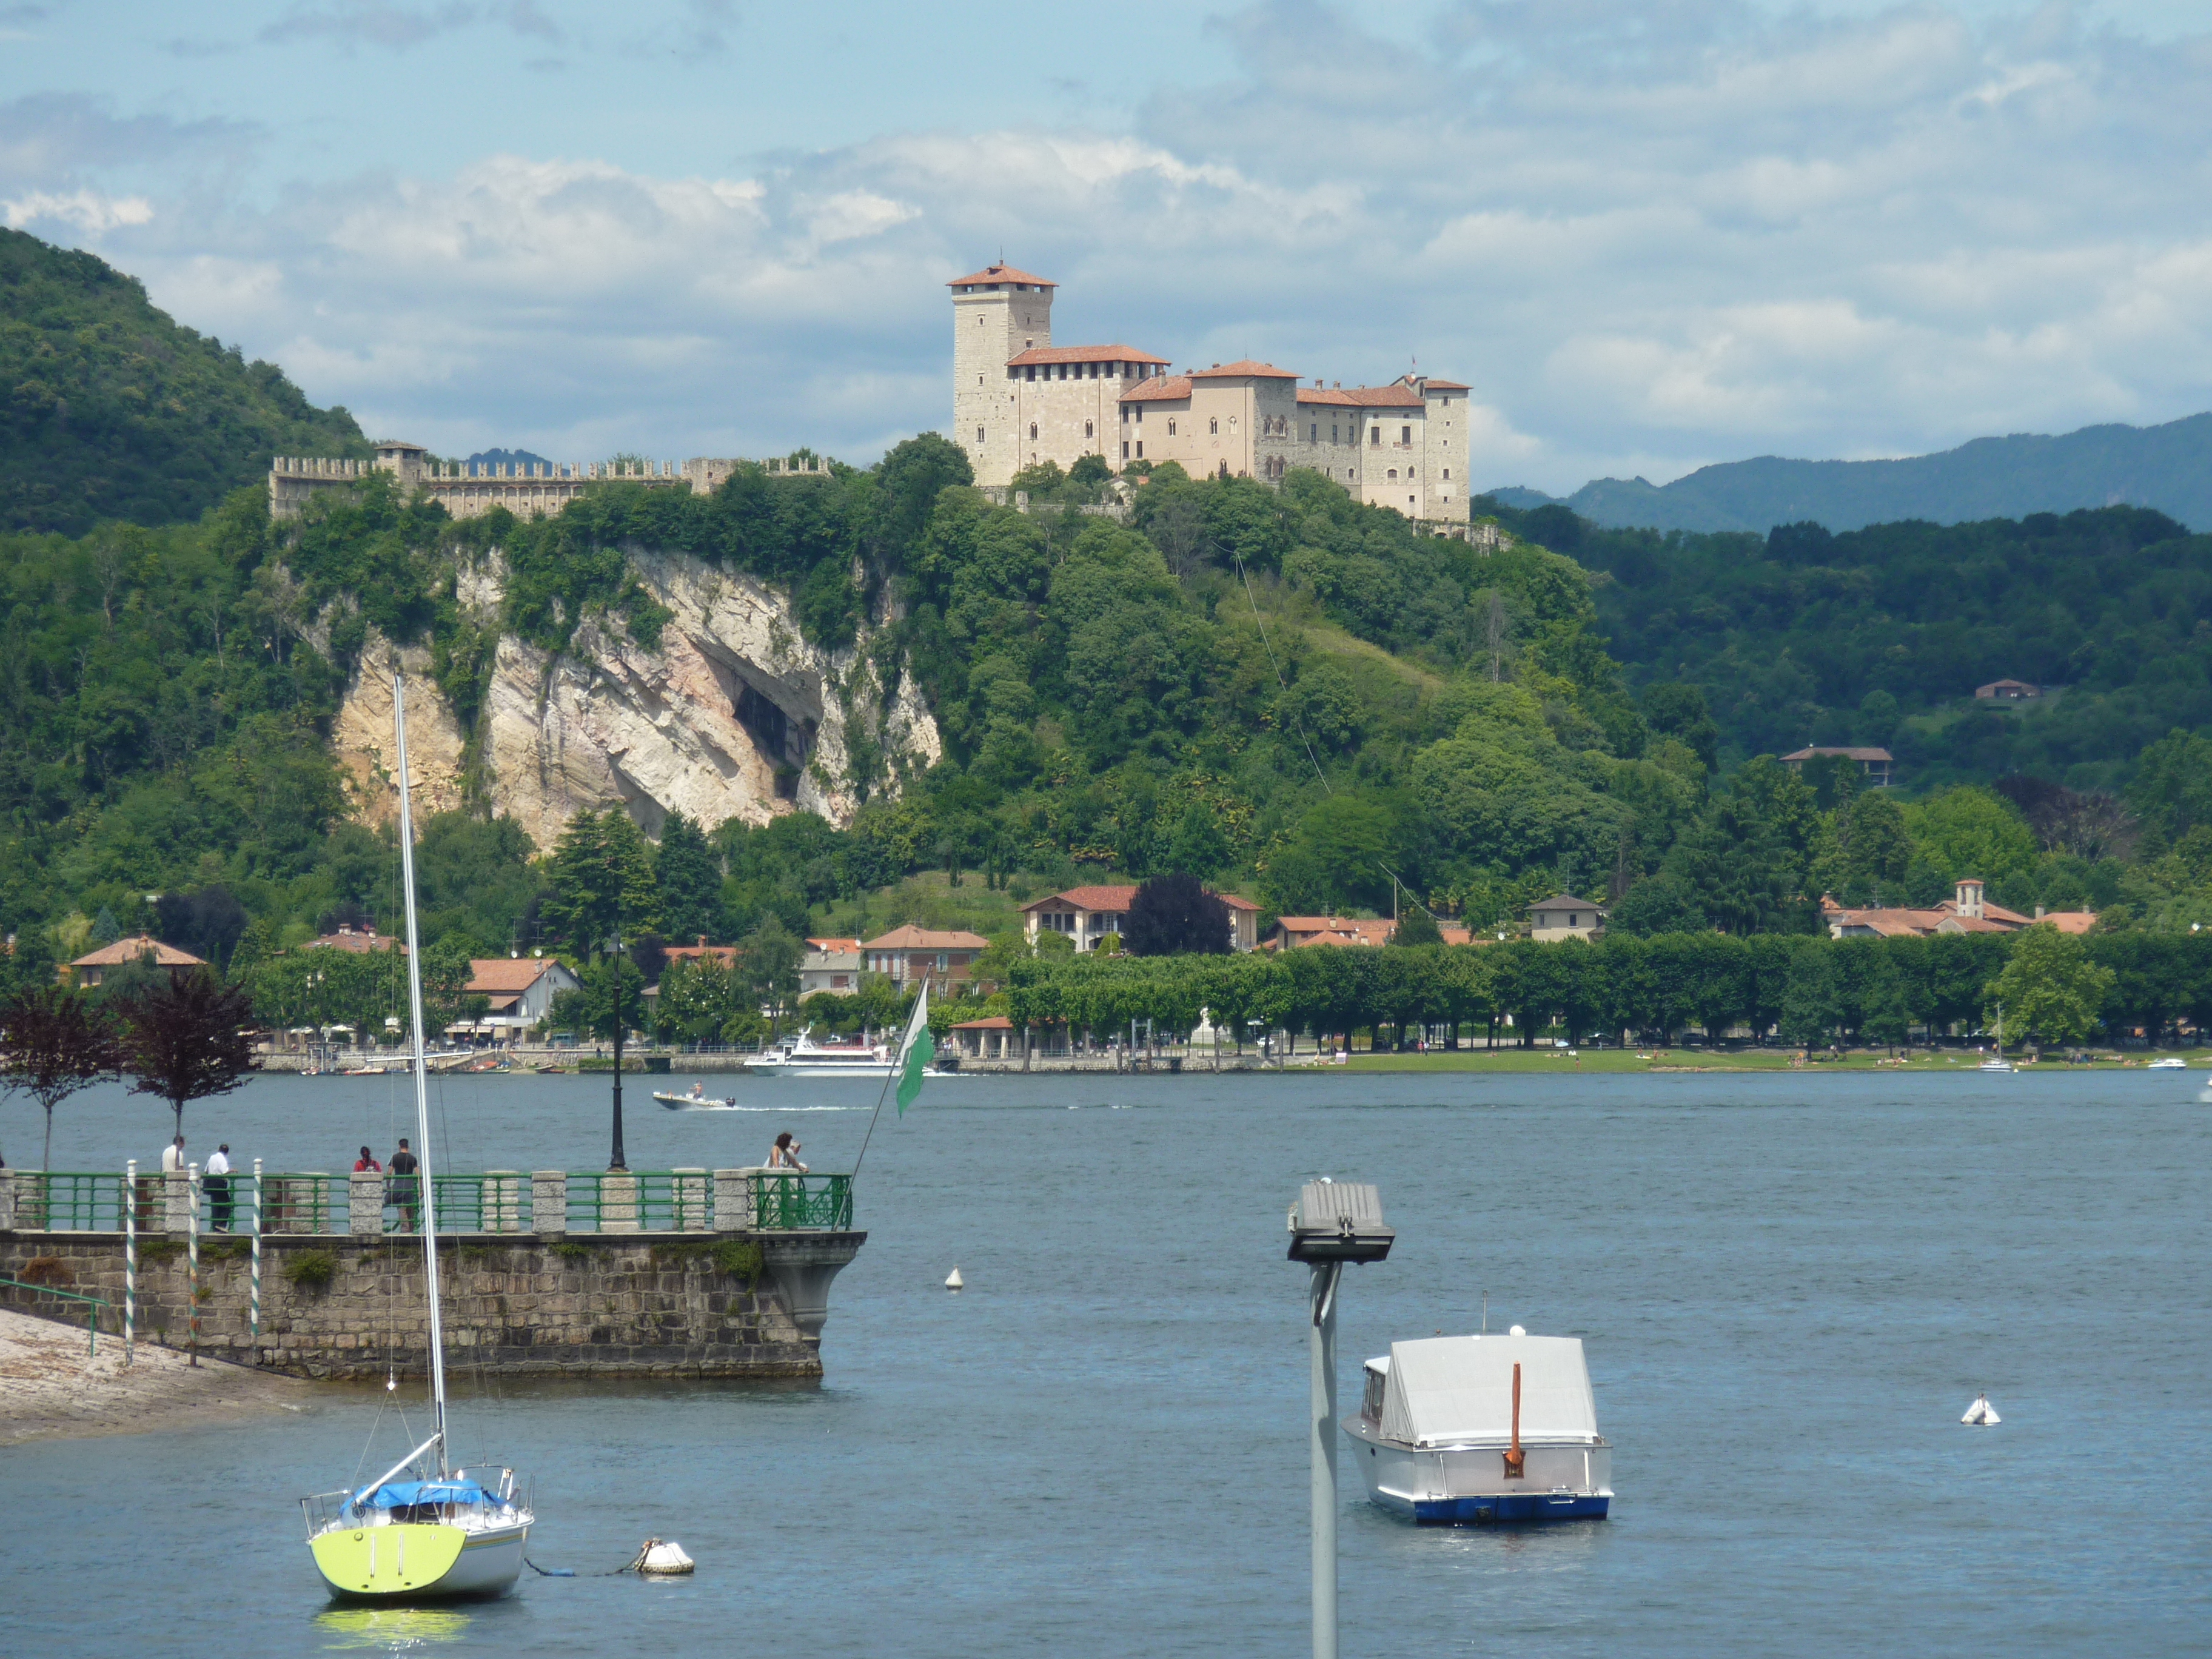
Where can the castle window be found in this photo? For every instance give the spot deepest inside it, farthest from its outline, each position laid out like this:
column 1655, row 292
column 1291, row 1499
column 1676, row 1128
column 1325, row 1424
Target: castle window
column 1140, row 449
column 1447, row 475
column 1313, row 433
column 979, row 434
column 1405, row 434
column 1086, row 428
column 1140, row 414
column 1028, row 372
column 1032, row 431
column 1332, row 432
column 1375, row 436
column 1125, row 449
column 1170, row 426
column 1125, row 413
column 1392, row 473
column 1213, row 426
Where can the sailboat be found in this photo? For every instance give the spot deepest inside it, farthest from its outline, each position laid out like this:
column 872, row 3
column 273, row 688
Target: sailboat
column 423, row 1528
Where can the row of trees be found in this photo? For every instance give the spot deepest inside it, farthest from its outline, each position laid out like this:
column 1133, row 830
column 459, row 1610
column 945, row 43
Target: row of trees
column 2048, row 985
column 183, row 1037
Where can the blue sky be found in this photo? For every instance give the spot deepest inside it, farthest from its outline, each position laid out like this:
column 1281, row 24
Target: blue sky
column 1651, row 235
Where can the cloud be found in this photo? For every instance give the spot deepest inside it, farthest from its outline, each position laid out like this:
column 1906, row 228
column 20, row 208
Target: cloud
column 89, row 213
column 1649, row 236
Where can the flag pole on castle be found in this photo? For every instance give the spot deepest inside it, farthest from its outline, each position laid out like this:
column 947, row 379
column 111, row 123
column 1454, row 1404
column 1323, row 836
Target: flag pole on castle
column 916, row 1049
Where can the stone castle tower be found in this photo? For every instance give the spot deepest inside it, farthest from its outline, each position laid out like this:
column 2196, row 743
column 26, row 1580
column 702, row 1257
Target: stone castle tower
column 997, row 314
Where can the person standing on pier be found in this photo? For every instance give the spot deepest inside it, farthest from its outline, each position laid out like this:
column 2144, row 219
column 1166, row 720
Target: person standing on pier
column 173, row 1156
column 220, row 1206
column 402, row 1186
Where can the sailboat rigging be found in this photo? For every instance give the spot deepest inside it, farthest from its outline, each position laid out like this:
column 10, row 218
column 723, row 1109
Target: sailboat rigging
column 465, row 1528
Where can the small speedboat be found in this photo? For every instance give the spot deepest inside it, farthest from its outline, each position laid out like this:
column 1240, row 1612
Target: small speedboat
column 1459, row 1430
column 1994, row 1064
column 698, row 1100
column 2171, row 1063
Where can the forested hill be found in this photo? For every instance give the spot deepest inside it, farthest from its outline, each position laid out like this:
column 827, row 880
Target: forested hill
column 2167, row 467
column 1880, row 635
column 110, row 410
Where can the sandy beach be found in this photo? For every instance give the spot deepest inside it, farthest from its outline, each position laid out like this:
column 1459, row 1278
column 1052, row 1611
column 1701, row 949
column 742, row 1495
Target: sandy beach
column 51, row 1390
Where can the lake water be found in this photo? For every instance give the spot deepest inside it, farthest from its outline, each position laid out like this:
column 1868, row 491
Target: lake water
column 1790, row 1288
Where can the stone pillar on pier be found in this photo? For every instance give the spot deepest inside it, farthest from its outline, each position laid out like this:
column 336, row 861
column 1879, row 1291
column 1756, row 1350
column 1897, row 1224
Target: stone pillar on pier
column 695, row 1201
column 548, row 1202
column 733, row 1201
column 176, row 1202
column 7, row 1200
column 365, row 1203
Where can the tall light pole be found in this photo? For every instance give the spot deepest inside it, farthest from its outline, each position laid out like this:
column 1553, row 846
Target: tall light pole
column 614, row 945
column 1333, row 1222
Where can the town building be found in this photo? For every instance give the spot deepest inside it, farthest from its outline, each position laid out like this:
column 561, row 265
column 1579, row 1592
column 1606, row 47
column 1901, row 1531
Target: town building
column 1019, row 401
column 520, row 990
column 2006, row 691
column 1296, row 933
column 1087, row 914
column 92, row 967
column 911, row 957
column 1968, row 912
column 989, row 1038
column 1874, row 764
column 1563, row 916
column 831, row 965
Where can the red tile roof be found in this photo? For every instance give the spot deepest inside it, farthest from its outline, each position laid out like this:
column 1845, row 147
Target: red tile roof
column 358, row 943
column 1159, row 389
column 993, row 1023
column 834, row 944
column 911, row 938
column 1435, row 385
column 1848, row 754
column 1088, row 898
column 491, row 975
column 1243, row 368
column 999, row 273
column 1363, row 396
column 137, row 948
column 2070, row 921
column 1105, row 353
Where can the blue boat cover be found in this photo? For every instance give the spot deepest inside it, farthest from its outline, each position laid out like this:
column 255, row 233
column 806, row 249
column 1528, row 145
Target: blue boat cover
column 405, row 1494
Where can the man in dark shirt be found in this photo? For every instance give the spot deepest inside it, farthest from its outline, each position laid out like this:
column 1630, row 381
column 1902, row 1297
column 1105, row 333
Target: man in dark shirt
column 402, row 1185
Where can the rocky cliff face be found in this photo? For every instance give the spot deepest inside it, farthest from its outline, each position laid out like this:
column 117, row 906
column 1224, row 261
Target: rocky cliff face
column 734, row 716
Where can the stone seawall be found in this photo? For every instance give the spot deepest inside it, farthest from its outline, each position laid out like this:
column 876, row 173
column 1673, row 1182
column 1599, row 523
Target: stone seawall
column 335, row 1306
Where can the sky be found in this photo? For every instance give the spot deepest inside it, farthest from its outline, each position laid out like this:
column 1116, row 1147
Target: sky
column 1650, row 234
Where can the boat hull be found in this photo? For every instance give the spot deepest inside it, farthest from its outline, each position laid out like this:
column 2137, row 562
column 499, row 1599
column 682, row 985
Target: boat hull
column 1465, row 1485
column 418, row 1561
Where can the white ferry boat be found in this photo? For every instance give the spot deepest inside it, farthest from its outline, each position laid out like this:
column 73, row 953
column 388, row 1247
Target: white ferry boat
column 1459, row 1430
column 804, row 1057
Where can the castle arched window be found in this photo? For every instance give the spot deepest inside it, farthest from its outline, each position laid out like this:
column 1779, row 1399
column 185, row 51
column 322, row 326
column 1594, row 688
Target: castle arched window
column 1213, row 426
column 1170, row 426
column 1033, row 438
column 1392, row 473
column 1086, row 428
column 979, row 434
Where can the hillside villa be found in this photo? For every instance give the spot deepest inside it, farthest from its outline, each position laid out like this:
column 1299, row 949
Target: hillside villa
column 912, row 955
column 1087, row 914
column 1874, row 764
column 1565, row 916
column 1969, row 912
column 89, row 969
column 520, row 990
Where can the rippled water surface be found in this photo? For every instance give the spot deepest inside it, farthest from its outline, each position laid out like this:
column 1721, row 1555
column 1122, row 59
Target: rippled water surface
column 1789, row 1289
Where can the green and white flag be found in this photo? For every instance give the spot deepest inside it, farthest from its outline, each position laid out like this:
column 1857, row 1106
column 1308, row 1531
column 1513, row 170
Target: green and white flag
column 915, row 1052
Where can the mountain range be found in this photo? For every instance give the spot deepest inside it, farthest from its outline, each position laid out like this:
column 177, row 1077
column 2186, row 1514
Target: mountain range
column 2167, row 467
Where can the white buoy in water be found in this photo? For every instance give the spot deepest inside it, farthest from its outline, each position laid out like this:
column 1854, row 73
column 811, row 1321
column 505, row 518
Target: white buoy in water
column 953, row 1281
column 665, row 1559
column 1981, row 1414
column 1517, row 1331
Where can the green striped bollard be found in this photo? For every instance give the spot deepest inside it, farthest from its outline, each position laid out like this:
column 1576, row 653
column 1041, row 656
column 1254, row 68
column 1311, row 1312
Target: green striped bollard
column 129, row 1257
column 256, row 1258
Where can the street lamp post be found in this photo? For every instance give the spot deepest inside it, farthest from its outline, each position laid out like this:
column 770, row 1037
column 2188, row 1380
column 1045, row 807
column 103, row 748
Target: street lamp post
column 614, row 1159
column 1333, row 1223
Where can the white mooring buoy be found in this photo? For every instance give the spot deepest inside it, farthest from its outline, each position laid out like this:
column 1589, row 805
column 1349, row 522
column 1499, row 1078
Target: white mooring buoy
column 664, row 1560
column 953, row 1281
column 1981, row 1414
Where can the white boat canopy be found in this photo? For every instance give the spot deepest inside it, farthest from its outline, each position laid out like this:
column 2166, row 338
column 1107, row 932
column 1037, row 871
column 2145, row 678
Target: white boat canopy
column 1450, row 1390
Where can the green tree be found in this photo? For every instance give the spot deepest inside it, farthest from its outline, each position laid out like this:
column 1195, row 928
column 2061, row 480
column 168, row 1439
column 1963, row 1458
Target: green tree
column 767, row 968
column 598, row 880
column 1811, row 1003
column 690, row 876
column 2049, row 988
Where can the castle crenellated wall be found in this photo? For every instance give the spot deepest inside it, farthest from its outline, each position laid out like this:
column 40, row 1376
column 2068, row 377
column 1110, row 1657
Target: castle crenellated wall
column 527, row 489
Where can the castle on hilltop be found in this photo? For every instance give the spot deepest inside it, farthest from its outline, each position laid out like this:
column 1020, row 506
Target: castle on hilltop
column 1019, row 401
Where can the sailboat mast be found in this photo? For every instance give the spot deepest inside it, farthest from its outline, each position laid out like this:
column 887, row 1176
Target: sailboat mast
column 421, row 1078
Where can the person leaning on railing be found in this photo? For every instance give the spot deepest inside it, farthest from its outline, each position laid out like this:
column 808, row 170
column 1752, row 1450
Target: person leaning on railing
column 400, row 1187
column 784, row 1155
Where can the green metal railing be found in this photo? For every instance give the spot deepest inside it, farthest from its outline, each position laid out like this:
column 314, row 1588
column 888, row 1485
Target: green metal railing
column 641, row 1201
column 94, row 1307
column 489, row 1201
column 787, row 1201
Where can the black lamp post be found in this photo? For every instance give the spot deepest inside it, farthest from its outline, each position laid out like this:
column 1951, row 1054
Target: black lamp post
column 614, row 1159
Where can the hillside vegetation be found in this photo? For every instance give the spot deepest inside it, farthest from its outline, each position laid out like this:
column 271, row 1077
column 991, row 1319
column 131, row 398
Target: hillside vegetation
column 110, row 410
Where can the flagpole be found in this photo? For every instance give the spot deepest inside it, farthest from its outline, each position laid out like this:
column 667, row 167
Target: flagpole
column 906, row 1042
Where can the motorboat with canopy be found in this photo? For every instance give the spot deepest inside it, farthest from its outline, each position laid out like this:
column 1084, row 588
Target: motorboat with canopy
column 423, row 1529
column 1480, row 1430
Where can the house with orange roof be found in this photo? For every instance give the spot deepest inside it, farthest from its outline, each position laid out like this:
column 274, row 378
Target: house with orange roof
column 1087, row 914
column 1298, row 932
column 356, row 941
column 1019, row 401
column 520, row 989
column 89, row 969
column 912, row 956
column 1968, row 911
column 831, row 965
